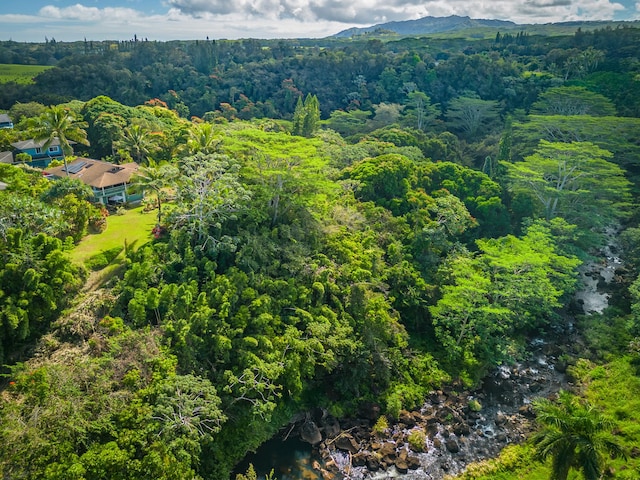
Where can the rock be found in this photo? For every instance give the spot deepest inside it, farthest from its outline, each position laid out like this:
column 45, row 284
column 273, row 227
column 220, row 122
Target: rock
column 310, row 433
column 635, row 452
column 437, row 443
column 501, row 437
column 328, row 475
column 330, row 426
column 407, row 418
column 360, row 459
column 438, row 397
column 446, row 414
column 373, row 463
column 347, row 443
column 419, row 417
column 473, row 416
column 403, row 454
column 501, row 418
column 413, row 462
column 461, row 429
column 526, row 411
column 561, row 366
column 402, row 466
column 387, row 450
column 370, row 411
column 452, row 445
column 536, row 386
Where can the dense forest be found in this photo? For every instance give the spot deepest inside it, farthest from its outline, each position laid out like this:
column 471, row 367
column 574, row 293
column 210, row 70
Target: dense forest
column 341, row 222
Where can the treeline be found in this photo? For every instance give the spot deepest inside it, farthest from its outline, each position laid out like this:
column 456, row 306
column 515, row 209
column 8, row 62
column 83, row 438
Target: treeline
column 204, row 76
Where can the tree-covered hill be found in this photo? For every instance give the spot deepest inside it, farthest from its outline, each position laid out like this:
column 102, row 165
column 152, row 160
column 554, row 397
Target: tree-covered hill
column 357, row 224
column 262, row 78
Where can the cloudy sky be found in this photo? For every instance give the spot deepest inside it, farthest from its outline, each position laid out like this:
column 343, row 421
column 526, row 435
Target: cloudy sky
column 68, row 20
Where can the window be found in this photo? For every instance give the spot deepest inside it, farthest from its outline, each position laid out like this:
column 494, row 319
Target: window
column 38, row 150
column 53, row 149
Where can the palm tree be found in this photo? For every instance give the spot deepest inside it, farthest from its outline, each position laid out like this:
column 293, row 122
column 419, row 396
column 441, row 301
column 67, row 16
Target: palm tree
column 155, row 177
column 203, row 138
column 575, row 435
column 58, row 122
column 138, row 141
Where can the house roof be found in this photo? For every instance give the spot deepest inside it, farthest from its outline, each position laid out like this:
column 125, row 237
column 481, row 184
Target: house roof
column 31, row 143
column 4, row 118
column 96, row 173
column 6, row 157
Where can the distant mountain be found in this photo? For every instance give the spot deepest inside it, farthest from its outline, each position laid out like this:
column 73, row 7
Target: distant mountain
column 427, row 25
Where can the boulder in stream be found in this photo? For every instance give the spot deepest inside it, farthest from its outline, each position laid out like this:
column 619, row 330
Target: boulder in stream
column 347, row 443
column 452, row 445
column 310, row 433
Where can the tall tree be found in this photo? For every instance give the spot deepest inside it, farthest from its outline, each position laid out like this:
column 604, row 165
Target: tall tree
column 59, row 123
column 155, row 177
column 574, row 181
column 470, row 115
column 511, row 285
column 203, row 138
column 139, row 142
column 306, row 116
column 573, row 101
column 311, row 115
column 574, row 435
column 418, row 111
column 209, row 192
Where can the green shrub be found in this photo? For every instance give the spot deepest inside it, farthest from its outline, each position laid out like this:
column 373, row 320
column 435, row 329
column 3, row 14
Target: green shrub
column 102, row 259
column 417, row 439
column 23, row 157
column 381, row 425
column 96, row 262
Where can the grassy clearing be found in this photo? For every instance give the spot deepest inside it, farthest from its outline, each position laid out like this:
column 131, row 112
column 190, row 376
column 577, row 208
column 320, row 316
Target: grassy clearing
column 20, row 73
column 133, row 226
column 615, row 388
column 515, row 462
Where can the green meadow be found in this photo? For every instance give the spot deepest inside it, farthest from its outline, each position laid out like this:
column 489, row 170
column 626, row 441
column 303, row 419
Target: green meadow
column 20, row 73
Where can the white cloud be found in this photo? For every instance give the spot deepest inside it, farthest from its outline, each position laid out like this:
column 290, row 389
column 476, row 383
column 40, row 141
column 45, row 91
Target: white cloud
column 375, row 11
column 81, row 13
column 192, row 19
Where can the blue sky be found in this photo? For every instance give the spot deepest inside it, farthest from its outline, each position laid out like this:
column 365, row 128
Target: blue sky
column 68, row 20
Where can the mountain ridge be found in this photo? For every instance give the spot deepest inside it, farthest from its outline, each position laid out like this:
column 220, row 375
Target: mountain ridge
column 427, row 25
column 455, row 23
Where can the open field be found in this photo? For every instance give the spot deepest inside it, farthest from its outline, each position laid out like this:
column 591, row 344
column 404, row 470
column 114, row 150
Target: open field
column 20, row 73
column 134, row 226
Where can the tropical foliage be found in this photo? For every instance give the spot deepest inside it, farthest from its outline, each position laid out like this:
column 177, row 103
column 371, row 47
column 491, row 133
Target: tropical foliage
column 355, row 224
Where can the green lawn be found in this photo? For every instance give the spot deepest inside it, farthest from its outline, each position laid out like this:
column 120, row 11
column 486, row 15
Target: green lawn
column 20, row 73
column 132, row 226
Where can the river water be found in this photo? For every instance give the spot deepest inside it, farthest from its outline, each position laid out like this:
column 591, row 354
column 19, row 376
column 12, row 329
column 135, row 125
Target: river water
column 289, row 460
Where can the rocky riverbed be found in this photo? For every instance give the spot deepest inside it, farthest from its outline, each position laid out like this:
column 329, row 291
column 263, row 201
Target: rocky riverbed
column 457, row 427
column 599, row 276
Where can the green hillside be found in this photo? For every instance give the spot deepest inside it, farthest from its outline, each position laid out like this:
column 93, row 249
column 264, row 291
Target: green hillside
column 22, row 74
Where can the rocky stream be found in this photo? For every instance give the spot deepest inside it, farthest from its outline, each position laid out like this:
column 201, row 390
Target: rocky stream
column 457, row 427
